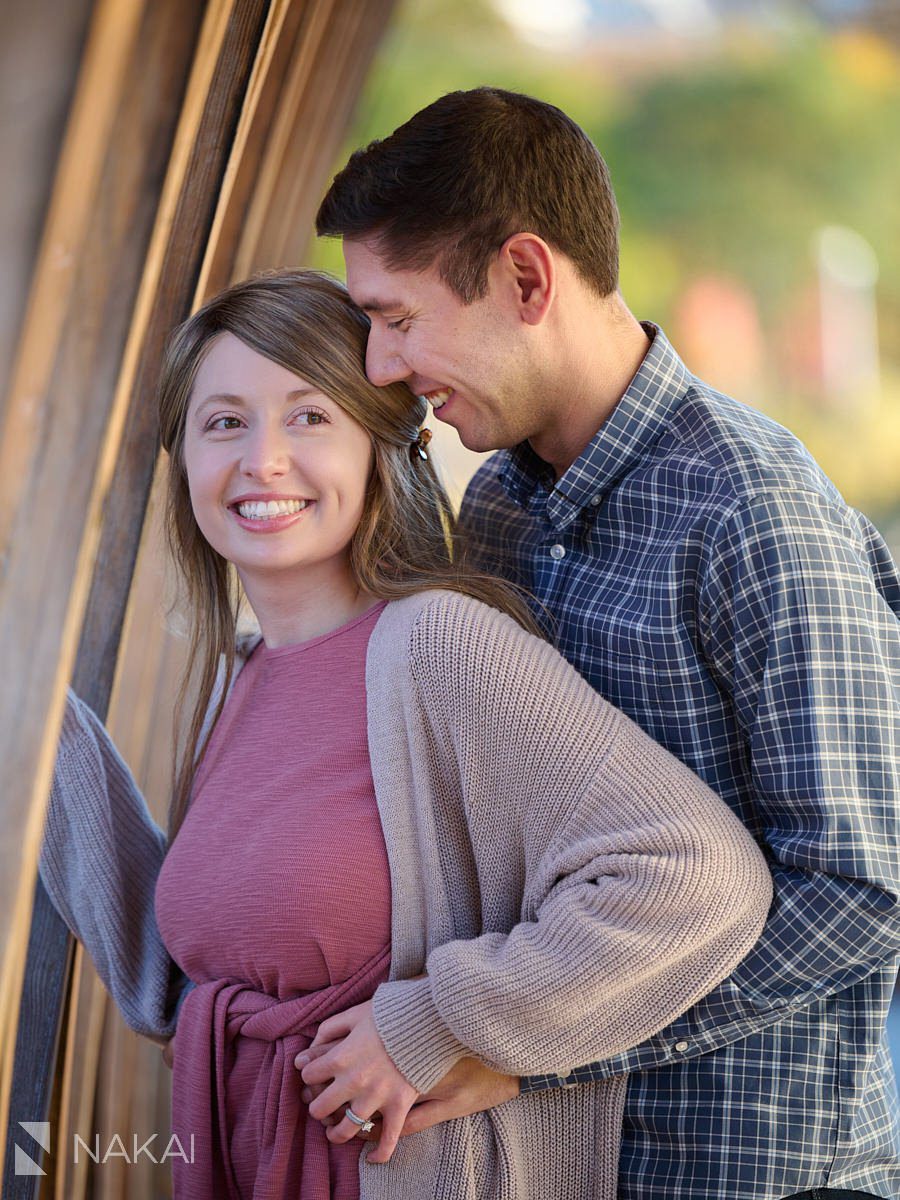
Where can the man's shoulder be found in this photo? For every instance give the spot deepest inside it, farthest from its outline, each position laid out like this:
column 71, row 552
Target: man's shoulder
column 739, row 452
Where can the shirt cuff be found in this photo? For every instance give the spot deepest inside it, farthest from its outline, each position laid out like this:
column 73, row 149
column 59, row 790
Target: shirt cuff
column 418, row 1042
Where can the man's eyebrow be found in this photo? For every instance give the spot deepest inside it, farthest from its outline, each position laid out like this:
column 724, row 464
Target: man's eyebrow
column 380, row 306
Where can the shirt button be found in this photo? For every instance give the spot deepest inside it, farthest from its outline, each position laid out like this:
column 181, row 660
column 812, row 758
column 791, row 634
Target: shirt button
column 557, row 551
column 681, row 1047
column 595, row 500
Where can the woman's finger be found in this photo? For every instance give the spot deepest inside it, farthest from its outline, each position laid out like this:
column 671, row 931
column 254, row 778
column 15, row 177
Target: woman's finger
column 330, row 1100
column 393, row 1117
column 346, row 1129
column 319, row 1071
column 338, row 1026
column 311, row 1053
column 308, row 1094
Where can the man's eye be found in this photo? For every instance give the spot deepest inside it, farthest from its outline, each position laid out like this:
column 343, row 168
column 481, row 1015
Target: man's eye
column 402, row 324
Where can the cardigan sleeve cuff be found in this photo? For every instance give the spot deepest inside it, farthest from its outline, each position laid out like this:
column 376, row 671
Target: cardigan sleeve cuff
column 418, row 1042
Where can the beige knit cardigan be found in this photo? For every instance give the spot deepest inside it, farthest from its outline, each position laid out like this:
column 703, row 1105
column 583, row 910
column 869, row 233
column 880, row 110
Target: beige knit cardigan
column 567, row 884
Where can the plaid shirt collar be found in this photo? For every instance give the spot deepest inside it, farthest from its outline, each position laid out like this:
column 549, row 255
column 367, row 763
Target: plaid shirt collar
column 636, row 422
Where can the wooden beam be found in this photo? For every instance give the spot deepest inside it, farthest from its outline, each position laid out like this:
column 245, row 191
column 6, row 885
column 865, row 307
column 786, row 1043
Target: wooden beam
column 85, row 456
column 171, row 214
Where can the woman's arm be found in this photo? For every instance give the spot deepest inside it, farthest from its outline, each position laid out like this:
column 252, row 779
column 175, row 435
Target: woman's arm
column 641, row 889
column 100, row 859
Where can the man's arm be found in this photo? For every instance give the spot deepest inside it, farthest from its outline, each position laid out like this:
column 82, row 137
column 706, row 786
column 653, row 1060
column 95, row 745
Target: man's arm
column 797, row 634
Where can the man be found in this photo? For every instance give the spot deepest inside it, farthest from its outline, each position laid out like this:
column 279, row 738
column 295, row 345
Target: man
column 705, row 576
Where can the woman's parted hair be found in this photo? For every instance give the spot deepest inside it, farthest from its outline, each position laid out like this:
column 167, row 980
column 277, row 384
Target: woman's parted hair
column 305, row 322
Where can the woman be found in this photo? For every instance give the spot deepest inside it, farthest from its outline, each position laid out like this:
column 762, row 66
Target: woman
column 402, row 824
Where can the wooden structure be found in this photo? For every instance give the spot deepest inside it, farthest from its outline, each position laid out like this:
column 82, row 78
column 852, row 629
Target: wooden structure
column 199, row 138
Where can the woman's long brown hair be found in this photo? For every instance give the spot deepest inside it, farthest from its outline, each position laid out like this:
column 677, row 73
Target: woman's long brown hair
column 305, row 322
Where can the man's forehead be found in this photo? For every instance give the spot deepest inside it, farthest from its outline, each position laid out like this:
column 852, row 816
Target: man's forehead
column 373, row 286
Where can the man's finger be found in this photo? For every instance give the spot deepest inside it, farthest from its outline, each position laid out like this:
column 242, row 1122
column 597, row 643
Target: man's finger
column 424, row 1115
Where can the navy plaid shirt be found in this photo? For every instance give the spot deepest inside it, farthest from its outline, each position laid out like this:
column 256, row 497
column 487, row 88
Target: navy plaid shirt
column 707, row 578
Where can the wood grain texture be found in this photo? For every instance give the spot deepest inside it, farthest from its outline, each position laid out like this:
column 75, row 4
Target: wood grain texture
column 55, row 515
column 40, row 51
column 200, row 140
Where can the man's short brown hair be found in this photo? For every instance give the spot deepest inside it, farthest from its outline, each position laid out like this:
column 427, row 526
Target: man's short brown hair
column 462, row 175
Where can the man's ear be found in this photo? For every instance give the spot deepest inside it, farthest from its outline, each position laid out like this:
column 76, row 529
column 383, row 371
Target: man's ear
column 528, row 270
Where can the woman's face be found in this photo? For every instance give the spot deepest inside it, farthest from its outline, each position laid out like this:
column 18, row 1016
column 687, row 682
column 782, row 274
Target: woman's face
column 277, row 471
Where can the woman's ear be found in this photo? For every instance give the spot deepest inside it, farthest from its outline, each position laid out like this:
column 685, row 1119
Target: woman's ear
column 527, row 268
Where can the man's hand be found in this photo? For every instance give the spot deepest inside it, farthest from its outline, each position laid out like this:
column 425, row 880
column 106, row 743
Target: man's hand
column 361, row 1075
column 470, row 1087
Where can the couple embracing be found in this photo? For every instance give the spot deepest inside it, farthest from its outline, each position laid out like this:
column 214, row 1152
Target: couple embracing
column 547, row 851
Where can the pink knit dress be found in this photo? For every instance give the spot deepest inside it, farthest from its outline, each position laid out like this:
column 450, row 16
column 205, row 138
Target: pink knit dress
column 275, row 900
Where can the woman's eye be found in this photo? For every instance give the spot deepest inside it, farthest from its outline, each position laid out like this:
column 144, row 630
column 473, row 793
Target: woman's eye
column 311, row 417
column 227, row 422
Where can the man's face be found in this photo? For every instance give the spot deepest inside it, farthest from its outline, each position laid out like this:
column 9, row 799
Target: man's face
column 470, row 361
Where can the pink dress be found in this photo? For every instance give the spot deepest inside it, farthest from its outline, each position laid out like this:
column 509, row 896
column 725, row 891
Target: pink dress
column 275, row 900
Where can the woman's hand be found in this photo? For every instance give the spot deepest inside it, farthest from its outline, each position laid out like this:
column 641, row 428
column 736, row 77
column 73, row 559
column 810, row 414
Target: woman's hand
column 168, row 1053
column 361, row 1075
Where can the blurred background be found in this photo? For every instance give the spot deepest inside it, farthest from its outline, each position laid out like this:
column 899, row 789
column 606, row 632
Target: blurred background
column 753, row 147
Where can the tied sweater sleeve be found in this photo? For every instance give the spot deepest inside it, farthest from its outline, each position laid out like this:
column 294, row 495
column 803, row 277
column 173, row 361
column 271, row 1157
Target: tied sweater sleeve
column 100, row 859
column 636, row 889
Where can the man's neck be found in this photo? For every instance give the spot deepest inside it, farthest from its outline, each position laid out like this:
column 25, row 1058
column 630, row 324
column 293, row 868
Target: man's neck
column 593, row 388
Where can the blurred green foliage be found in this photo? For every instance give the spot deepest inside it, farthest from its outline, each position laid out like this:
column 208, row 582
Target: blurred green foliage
column 727, row 159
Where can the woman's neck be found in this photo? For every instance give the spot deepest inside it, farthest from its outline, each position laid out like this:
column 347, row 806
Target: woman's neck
column 289, row 612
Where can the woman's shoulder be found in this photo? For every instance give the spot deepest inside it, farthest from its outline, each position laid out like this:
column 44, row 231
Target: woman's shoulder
column 450, row 638
column 437, row 617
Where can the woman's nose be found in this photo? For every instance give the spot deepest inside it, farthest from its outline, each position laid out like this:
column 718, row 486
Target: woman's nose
column 265, row 455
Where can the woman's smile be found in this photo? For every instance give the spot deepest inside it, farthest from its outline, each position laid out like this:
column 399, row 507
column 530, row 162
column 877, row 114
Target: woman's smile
column 268, row 514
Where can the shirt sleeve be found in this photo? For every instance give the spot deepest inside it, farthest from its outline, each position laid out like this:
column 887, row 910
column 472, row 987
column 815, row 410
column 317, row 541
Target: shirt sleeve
column 797, row 632
column 639, row 889
column 100, row 860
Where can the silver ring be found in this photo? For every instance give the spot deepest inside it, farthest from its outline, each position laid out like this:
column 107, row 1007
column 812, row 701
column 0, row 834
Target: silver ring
column 365, row 1125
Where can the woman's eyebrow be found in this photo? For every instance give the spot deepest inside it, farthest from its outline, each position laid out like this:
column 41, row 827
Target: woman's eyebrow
column 240, row 402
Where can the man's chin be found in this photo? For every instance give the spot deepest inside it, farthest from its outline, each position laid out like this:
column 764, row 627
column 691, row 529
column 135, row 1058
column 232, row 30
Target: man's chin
column 484, row 441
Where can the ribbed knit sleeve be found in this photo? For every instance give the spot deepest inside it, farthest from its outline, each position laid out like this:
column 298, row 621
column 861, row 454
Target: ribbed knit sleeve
column 99, row 862
column 637, row 890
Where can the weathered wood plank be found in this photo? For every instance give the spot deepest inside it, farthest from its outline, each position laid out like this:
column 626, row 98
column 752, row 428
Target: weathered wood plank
column 82, row 434
column 40, row 51
column 53, row 442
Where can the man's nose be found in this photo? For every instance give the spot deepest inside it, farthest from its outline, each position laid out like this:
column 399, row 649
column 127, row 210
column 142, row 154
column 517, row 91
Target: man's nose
column 383, row 364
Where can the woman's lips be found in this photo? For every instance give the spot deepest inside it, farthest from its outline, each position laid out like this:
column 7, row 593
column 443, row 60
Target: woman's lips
column 269, row 524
